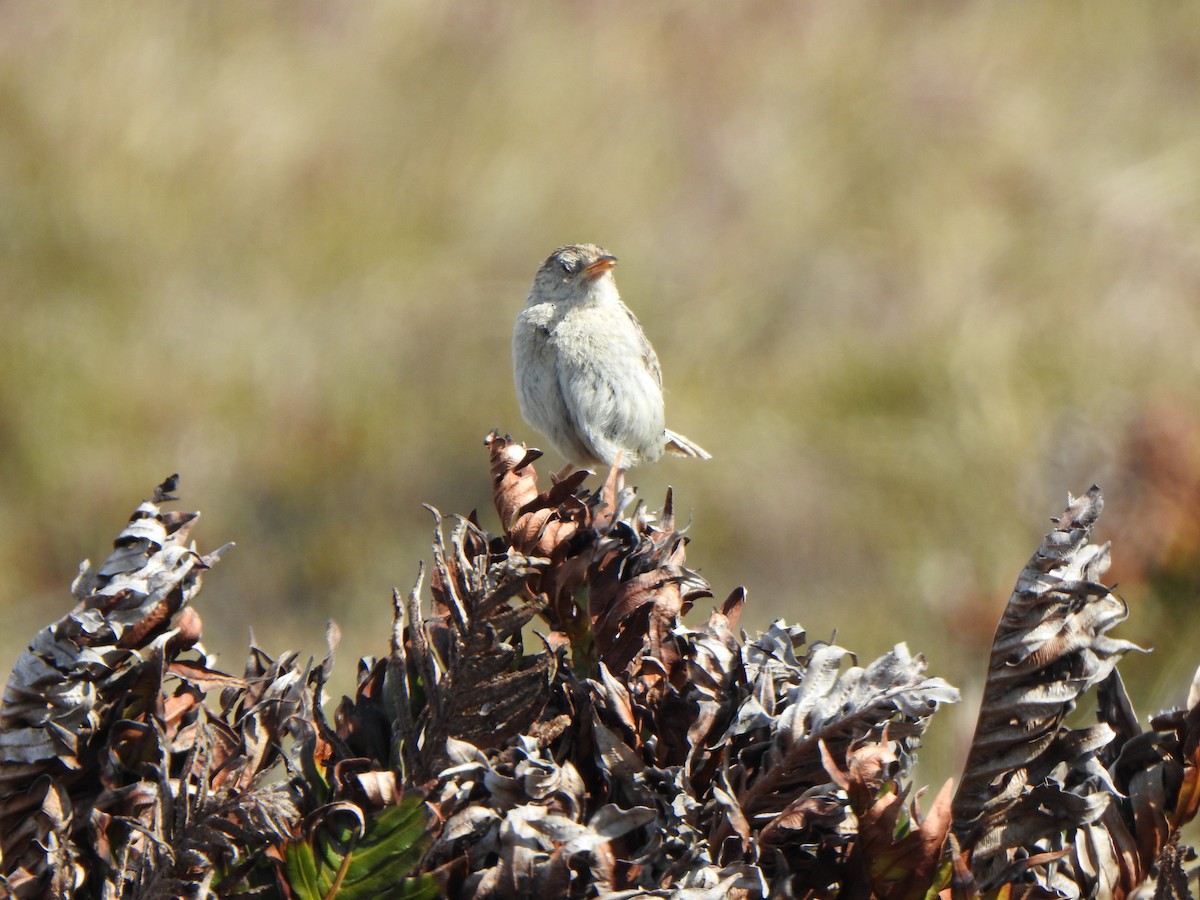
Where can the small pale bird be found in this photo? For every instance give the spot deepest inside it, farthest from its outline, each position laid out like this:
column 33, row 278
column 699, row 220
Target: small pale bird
column 586, row 376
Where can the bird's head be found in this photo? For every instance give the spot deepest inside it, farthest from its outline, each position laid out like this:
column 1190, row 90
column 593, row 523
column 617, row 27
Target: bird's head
column 573, row 273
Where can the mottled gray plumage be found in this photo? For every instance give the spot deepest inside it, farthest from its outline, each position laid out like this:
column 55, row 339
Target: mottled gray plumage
column 586, row 376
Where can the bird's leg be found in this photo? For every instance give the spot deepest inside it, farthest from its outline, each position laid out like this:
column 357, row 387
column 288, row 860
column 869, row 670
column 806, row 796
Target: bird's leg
column 614, row 484
column 618, row 476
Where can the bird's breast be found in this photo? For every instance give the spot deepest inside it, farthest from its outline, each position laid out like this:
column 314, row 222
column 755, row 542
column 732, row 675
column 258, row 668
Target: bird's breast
column 596, row 333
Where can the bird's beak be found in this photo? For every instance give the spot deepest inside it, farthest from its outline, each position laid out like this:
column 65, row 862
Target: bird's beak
column 600, row 266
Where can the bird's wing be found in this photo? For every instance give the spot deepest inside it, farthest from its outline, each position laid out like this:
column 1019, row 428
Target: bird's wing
column 649, row 357
column 615, row 402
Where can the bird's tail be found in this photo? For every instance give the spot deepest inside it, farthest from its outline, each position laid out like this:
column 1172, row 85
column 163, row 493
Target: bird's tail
column 678, row 445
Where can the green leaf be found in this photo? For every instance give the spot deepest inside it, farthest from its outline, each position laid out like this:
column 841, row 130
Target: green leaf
column 373, row 867
column 301, row 868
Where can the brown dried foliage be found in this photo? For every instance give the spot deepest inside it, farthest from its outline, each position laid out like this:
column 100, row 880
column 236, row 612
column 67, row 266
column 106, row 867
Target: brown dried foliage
column 117, row 778
column 571, row 735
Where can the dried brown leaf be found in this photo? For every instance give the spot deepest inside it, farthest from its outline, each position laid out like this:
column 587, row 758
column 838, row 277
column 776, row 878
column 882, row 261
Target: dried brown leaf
column 1050, row 646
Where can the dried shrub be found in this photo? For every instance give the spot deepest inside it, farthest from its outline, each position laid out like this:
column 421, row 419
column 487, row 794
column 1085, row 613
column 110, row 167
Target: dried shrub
column 547, row 722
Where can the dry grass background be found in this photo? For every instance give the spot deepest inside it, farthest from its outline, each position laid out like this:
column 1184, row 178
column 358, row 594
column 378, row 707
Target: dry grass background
column 914, row 271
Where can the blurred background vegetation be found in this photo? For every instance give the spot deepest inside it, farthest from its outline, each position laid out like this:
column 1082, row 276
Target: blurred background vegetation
column 914, row 272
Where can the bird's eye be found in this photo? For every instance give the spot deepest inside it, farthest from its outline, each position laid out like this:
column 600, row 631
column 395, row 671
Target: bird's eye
column 568, row 265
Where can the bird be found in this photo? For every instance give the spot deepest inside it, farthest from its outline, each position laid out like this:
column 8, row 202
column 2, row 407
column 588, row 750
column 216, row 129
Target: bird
column 586, row 376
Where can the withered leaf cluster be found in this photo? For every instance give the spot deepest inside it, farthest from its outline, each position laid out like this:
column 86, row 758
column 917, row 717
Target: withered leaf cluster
column 120, row 777
column 667, row 757
column 1092, row 811
column 547, row 721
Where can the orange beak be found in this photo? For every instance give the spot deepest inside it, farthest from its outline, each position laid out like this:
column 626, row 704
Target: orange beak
column 600, row 266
